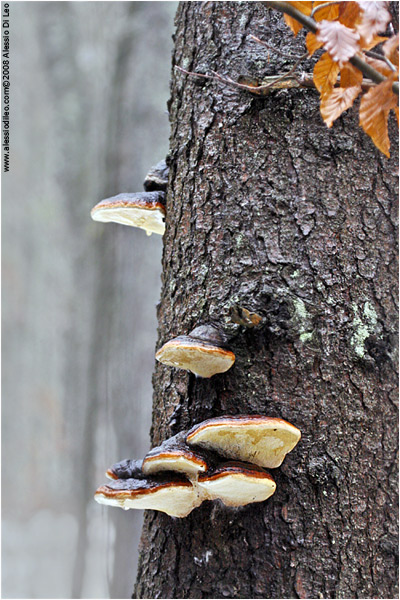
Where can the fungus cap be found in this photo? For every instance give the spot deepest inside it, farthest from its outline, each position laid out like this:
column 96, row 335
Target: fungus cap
column 175, row 455
column 172, row 495
column 237, row 484
column 157, row 177
column 145, row 210
column 211, row 334
column 126, row 469
column 260, row 440
column 202, row 358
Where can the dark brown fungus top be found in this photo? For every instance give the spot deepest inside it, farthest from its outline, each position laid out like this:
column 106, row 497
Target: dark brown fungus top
column 175, row 455
column 157, row 177
column 126, row 469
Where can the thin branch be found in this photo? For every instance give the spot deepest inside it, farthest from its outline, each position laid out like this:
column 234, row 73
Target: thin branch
column 273, row 82
column 311, row 25
column 277, row 82
column 276, row 50
column 286, row 7
column 317, row 8
column 381, row 57
column 218, row 77
column 285, row 75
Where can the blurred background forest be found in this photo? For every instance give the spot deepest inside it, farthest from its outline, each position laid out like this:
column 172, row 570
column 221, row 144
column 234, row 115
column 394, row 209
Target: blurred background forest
column 89, row 86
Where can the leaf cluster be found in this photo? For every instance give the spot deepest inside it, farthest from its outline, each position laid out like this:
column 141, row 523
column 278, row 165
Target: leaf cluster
column 346, row 30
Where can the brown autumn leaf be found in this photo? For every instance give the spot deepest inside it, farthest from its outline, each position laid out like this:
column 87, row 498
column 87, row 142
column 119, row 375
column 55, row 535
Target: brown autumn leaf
column 374, row 18
column 391, row 50
column 325, row 73
column 327, row 12
column 374, row 111
column 312, row 43
column 396, row 110
column 294, row 25
column 303, row 7
column 350, row 76
column 340, row 41
column 349, row 13
column 378, row 131
column 374, row 41
column 336, row 101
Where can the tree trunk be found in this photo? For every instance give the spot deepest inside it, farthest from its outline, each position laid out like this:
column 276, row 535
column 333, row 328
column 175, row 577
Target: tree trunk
column 271, row 211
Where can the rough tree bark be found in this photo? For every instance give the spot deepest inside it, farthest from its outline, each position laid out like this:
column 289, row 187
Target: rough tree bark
column 271, row 211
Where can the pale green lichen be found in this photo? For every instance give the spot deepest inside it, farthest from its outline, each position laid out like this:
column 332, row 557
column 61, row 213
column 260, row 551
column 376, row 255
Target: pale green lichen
column 370, row 314
column 300, row 308
column 363, row 327
column 306, row 336
column 302, row 320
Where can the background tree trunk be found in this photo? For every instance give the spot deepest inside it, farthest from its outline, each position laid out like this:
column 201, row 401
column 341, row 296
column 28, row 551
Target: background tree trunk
column 270, row 210
column 88, row 119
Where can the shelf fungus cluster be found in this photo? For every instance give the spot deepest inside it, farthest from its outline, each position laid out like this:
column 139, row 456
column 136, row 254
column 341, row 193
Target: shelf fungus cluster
column 145, row 210
column 203, row 352
column 189, row 468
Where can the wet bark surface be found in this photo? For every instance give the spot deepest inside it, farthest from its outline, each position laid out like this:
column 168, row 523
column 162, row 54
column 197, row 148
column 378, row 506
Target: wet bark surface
column 271, row 211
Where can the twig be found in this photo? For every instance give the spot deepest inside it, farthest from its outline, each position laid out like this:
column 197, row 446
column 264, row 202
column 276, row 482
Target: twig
column 276, row 50
column 218, row 77
column 263, row 88
column 292, row 70
column 381, row 57
column 274, row 82
column 277, row 82
column 311, row 25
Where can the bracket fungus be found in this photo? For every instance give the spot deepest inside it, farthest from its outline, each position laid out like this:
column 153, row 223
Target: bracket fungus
column 237, row 484
column 175, row 478
column 145, row 210
column 202, row 352
column 172, row 494
column 157, row 177
column 175, row 455
column 260, row 440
